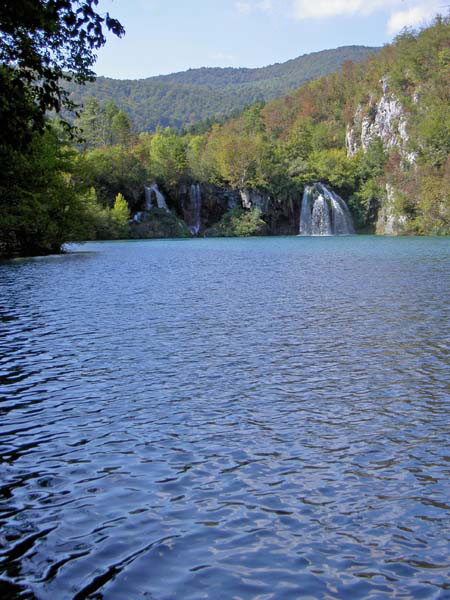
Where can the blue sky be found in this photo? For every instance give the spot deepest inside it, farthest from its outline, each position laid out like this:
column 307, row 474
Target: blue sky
column 165, row 36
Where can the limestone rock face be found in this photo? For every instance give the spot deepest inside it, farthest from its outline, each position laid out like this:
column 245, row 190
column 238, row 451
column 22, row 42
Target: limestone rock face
column 384, row 119
column 255, row 199
column 389, row 222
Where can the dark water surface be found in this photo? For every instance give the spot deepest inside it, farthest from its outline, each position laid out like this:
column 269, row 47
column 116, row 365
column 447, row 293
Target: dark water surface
column 227, row 419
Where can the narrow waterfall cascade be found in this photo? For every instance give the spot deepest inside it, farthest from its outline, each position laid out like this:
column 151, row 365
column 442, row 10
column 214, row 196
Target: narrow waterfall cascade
column 160, row 200
column 148, row 197
column 306, row 213
column 195, row 198
column 323, row 212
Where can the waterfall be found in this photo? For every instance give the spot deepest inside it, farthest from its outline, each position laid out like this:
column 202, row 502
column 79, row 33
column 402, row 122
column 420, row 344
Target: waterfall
column 343, row 220
column 321, row 222
column 148, row 197
column 160, row 200
column 195, row 199
column 323, row 212
column 306, row 213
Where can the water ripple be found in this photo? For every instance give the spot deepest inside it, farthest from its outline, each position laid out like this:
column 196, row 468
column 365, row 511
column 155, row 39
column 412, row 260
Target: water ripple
column 262, row 418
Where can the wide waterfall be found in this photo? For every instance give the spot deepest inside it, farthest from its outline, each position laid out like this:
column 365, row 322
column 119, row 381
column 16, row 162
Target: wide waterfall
column 195, row 199
column 160, row 200
column 323, row 212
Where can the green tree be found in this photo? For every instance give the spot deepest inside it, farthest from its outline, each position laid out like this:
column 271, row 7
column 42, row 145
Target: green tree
column 248, row 223
column 121, row 128
column 237, row 156
column 112, row 170
column 238, row 222
column 103, row 125
column 43, row 44
column 40, row 201
column 194, row 151
column 92, row 124
column 168, row 161
column 98, row 223
column 121, row 216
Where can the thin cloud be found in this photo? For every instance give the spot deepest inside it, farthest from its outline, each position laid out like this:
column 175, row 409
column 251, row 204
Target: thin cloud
column 264, row 6
column 417, row 15
column 245, row 8
column 307, row 9
column 399, row 14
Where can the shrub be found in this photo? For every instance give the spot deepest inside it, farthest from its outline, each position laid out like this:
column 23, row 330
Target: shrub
column 238, row 222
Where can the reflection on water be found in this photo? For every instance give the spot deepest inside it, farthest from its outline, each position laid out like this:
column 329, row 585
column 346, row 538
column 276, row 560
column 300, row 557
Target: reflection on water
column 263, row 418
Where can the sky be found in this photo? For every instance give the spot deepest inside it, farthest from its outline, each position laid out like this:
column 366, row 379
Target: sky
column 166, row 36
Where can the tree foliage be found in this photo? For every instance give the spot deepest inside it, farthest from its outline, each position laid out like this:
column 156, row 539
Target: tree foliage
column 121, row 215
column 112, row 170
column 103, row 125
column 41, row 207
column 238, row 222
column 43, row 43
column 167, row 156
column 207, row 95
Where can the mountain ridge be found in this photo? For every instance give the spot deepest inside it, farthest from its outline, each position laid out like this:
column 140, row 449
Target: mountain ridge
column 187, row 97
column 264, row 69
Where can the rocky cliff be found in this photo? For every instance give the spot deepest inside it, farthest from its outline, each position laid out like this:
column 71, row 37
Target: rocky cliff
column 281, row 214
column 384, row 118
column 201, row 207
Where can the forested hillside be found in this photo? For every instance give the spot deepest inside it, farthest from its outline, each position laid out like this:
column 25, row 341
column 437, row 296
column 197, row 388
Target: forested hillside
column 192, row 96
column 377, row 133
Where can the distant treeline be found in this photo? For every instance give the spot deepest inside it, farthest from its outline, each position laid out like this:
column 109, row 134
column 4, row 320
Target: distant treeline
column 193, row 96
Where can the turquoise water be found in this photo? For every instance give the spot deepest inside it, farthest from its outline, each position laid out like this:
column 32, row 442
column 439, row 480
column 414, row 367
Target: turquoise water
column 226, row 418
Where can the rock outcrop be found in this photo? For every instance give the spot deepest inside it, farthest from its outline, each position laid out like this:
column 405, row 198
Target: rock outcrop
column 384, row 119
column 389, row 222
column 202, row 205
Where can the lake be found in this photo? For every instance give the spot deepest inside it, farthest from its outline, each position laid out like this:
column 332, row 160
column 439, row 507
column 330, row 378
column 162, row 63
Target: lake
column 227, row 419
